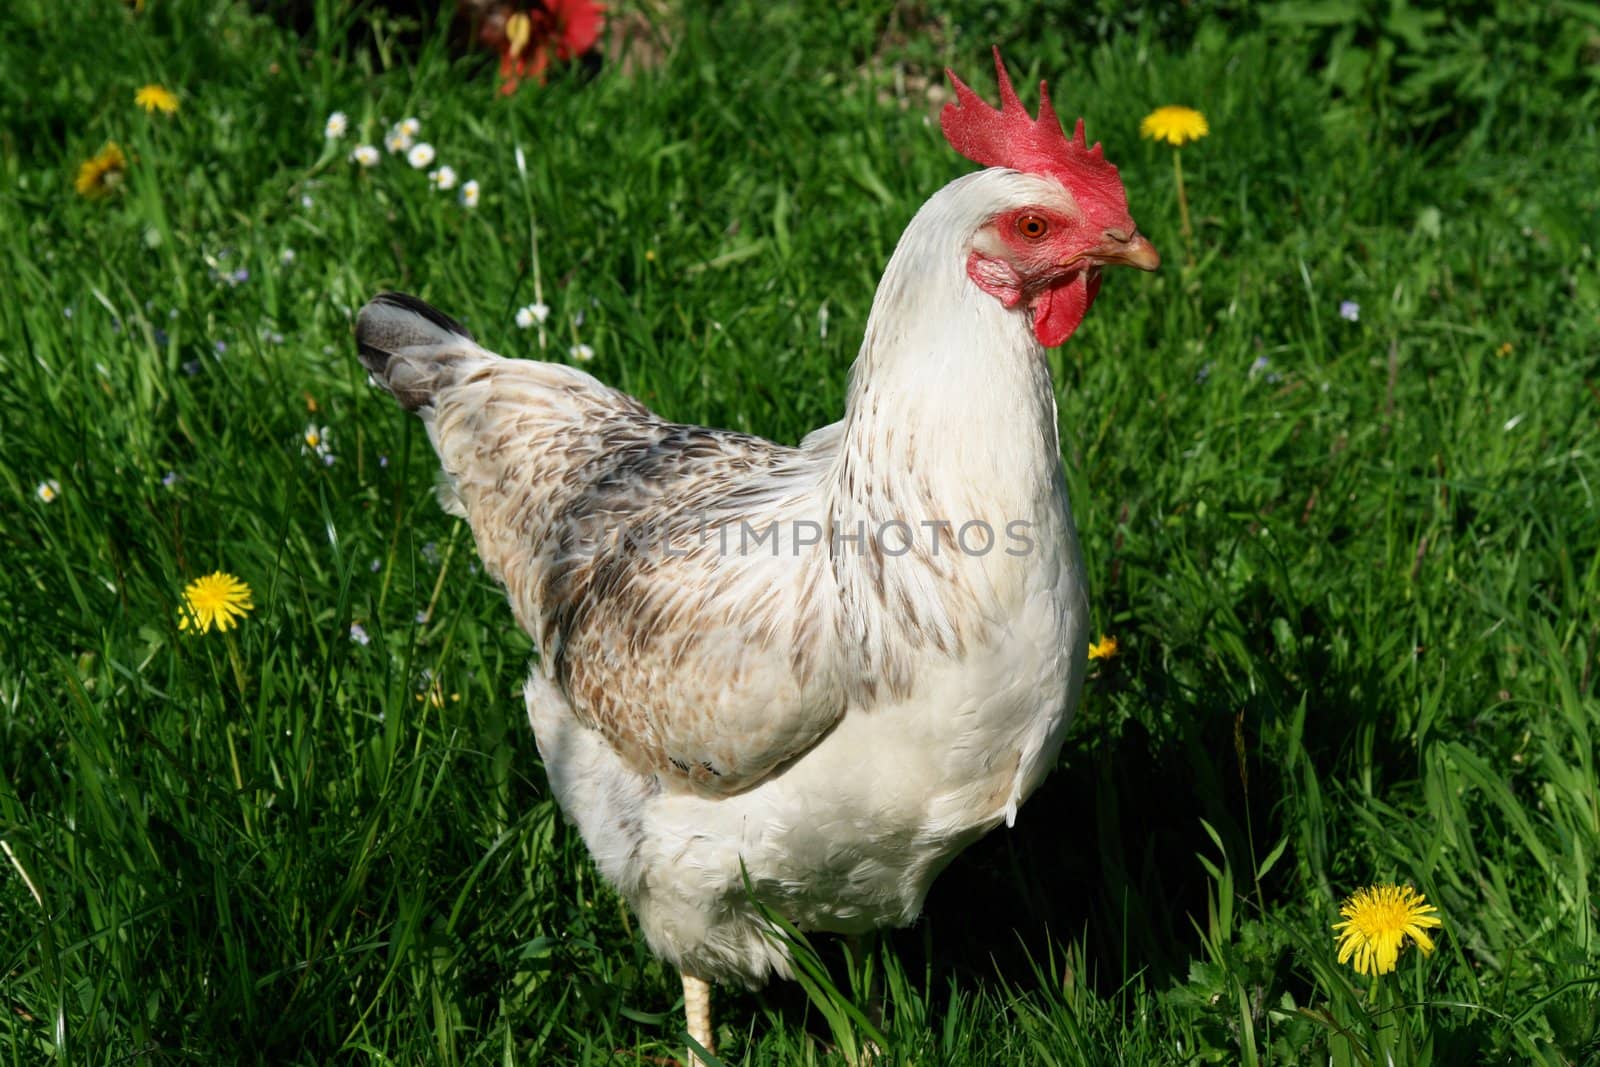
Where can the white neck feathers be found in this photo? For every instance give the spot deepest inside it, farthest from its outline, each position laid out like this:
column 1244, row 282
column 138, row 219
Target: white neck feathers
column 949, row 429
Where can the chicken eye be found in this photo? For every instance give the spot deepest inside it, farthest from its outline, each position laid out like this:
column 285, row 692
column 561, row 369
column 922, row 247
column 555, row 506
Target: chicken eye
column 1032, row 227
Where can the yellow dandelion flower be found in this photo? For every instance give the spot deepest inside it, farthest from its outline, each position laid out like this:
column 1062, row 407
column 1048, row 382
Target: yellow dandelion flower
column 102, row 173
column 1174, row 125
column 218, row 598
column 1378, row 919
column 1104, row 648
column 157, row 98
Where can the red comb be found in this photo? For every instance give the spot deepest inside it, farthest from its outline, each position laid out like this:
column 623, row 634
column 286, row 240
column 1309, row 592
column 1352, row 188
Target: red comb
column 1010, row 138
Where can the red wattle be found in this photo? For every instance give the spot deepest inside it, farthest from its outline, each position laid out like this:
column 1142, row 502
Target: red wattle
column 1058, row 311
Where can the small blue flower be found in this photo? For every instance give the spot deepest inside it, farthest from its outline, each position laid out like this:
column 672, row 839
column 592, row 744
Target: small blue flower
column 358, row 634
column 1350, row 311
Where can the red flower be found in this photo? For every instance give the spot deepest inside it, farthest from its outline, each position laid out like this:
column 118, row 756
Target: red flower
column 528, row 40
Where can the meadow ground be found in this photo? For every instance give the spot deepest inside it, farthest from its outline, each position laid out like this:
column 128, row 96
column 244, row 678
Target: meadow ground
column 1335, row 475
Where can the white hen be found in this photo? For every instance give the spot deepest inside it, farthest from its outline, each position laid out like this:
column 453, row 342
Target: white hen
column 830, row 667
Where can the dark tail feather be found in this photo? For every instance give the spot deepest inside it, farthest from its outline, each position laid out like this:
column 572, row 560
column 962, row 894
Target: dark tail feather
column 428, row 342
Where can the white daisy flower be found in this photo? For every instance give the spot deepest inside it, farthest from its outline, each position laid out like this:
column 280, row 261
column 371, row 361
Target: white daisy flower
column 443, row 179
column 336, row 126
column 540, row 312
column 315, row 441
column 420, row 155
column 48, row 490
column 398, row 140
column 366, row 155
column 410, row 127
column 469, row 194
column 525, row 318
column 582, row 353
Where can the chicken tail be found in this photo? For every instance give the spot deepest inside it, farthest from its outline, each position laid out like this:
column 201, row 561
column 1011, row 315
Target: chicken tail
column 413, row 349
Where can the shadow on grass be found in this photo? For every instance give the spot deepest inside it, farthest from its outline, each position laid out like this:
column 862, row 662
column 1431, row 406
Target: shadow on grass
column 1107, row 854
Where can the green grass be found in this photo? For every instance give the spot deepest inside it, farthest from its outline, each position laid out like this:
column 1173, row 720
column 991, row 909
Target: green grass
column 1354, row 567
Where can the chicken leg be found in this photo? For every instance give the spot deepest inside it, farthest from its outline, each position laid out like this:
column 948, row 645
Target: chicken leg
column 697, row 1011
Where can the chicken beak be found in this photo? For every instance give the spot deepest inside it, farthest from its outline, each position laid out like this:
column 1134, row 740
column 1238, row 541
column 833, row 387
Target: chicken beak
column 1129, row 251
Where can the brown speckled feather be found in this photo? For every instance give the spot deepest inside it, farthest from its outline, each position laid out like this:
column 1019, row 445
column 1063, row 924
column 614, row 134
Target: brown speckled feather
column 654, row 564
